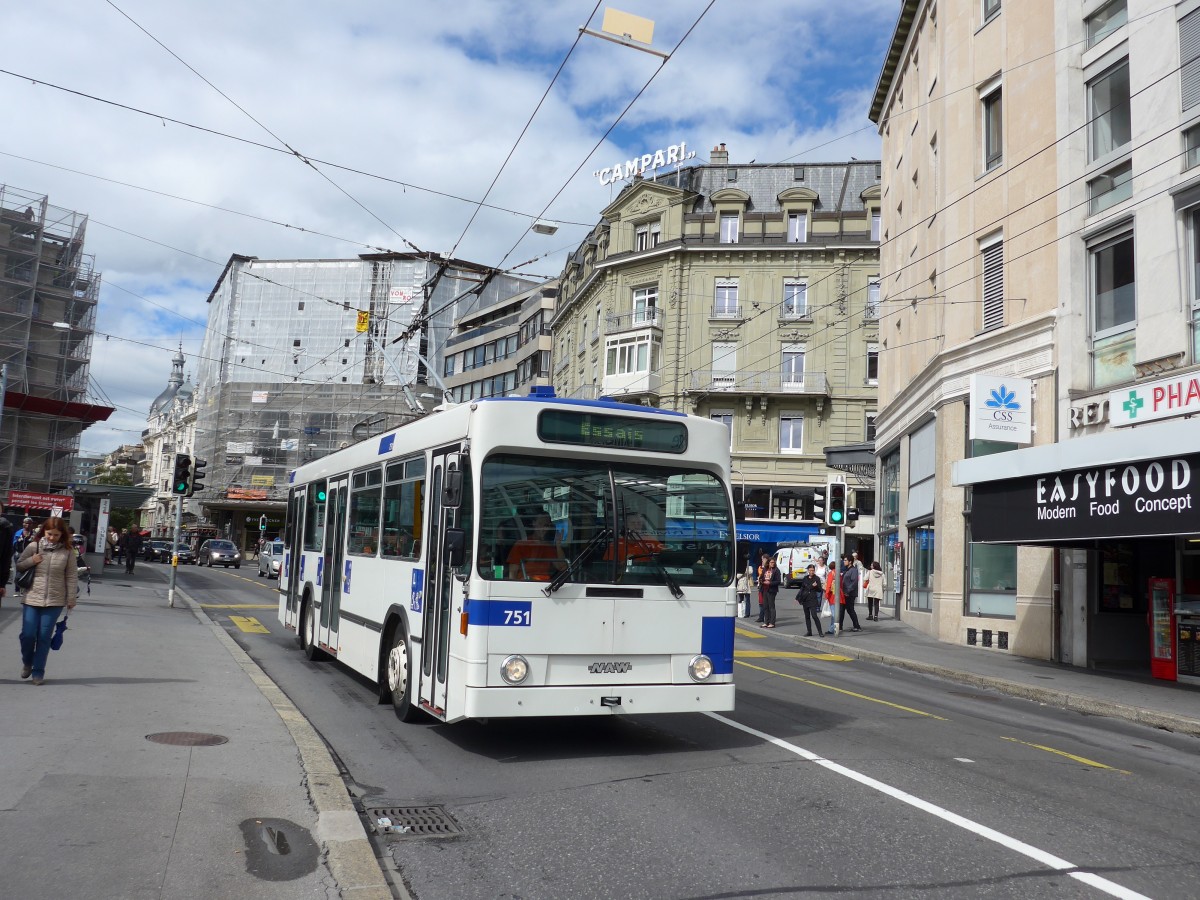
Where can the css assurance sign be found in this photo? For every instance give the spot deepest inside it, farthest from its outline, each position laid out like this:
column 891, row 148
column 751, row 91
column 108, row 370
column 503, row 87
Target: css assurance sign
column 1001, row 409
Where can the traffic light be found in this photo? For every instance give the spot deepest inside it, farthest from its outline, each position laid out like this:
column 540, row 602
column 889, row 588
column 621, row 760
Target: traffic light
column 820, row 502
column 181, row 480
column 852, row 515
column 835, row 512
column 196, row 482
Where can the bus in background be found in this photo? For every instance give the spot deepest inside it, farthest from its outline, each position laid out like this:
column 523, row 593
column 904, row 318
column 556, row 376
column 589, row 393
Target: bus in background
column 521, row 556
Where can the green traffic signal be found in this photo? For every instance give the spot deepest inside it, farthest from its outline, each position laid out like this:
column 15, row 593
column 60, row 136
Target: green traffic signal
column 181, row 480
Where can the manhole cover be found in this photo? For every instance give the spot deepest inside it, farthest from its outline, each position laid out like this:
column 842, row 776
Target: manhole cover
column 397, row 822
column 187, row 739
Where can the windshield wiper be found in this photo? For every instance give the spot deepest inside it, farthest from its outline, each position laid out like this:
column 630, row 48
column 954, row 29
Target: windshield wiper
column 676, row 590
column 561, row 578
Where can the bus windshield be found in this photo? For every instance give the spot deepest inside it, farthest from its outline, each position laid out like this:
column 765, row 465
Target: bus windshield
column 602, row 523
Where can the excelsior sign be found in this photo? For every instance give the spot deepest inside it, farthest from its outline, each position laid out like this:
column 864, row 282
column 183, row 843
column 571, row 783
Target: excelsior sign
column 1001, row 409
column 1162, row 399
column 676, row 153
column 1138, row 499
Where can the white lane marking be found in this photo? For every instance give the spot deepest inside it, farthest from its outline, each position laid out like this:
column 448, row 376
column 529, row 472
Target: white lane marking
column 963, row 759
column 1047, row 859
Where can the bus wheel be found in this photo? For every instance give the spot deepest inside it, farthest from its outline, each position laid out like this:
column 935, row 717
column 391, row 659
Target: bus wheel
column 399, row 678
column 307, row 633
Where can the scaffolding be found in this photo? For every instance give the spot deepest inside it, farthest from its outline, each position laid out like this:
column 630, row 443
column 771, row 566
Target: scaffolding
column 48, row 296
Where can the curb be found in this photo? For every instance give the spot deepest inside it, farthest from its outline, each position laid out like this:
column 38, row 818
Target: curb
column 1048, row 696
column 349, row 853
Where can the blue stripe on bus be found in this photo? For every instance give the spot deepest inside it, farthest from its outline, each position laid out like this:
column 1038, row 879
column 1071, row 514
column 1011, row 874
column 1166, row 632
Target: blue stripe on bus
column 500, row 612
column 601, row 404
column 716, row 642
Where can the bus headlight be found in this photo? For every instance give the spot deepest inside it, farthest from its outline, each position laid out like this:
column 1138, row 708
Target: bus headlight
column 700, row 668
column 514, row 669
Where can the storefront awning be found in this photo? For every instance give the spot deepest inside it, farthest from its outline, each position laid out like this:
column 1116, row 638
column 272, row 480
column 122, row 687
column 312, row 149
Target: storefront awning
column 769, row 533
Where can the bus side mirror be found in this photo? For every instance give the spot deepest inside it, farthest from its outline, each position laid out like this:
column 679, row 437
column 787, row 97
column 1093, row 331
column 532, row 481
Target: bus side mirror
column 452, row 489
column 454, row 548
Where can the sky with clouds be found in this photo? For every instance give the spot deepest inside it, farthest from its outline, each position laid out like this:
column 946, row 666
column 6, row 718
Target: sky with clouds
column 411, row 107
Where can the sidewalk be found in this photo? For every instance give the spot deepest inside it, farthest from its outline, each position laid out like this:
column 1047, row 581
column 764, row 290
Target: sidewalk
column 1136, row 698
column 241, row 800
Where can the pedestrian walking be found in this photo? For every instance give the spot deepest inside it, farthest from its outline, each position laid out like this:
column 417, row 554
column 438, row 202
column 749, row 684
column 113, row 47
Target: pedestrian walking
column 55, row 585
column 850, row 588
column 874, row 590
column 758, row 580
column 744, row 587
column 6, row 551
column 130, row 546
column 768, row 586
column 831, row 598
column 809, row 597
column 111, row 540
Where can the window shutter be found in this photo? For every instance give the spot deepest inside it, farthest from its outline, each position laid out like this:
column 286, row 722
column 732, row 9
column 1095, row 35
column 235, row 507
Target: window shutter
column 993, row 286
column 1189, row 58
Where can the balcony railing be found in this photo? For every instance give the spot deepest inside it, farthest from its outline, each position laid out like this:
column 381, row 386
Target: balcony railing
column 773, row 382
column 726, row 311
column 640, row 318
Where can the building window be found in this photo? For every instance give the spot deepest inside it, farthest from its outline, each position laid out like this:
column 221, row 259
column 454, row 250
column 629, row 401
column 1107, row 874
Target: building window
column 798, row 173
column 875, row 226
column 1114, row 309
column 645, row 305
column 1189, row 59
column 993, row 284
column 1111, row 188
column 795, row 299
column 646, row 235
column 797, row 232
column 1191, row 144
column 872, row 310
column 1106, row 20
column 869, row 431
column 791, row 433
column 1194, row 223
column 725, row 417
column 1108, row 105
column 920, row 594
column 992, row 100
column 922, row 472
column 792, row 377
column 725, row 302
column 872, row 365
column 724, row 364
column 990, row 9
column 628, row 355
column 729, row 228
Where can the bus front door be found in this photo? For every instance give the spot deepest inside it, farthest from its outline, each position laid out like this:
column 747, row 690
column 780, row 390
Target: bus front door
column 439, row 590
column 333, row 579
column 289, row 574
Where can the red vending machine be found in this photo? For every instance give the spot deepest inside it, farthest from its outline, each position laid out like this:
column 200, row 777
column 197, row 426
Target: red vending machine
column 1162, row 628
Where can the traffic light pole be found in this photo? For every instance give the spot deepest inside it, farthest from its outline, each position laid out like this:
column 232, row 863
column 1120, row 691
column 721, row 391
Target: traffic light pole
column 175, row 550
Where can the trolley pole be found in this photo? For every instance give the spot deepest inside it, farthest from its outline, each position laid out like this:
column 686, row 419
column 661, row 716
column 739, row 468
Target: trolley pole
column 175, row 549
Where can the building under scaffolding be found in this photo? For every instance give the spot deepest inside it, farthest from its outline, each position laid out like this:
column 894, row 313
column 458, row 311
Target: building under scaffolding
column 302, row 357
column 48, row 295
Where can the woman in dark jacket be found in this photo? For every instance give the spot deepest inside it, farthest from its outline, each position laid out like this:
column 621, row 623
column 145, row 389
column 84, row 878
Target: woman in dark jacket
column 768, row 586
column 809, row 596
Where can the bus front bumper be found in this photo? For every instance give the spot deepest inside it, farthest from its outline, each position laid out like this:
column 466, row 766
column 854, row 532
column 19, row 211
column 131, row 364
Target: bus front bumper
column 614, row 700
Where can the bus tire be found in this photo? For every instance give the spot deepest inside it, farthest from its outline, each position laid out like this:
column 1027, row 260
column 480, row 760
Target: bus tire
column 398, row 670
column 307, row 632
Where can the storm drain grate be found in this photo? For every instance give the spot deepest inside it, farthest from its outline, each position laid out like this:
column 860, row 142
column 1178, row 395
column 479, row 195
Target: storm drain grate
column 396, row 822
column 187, row 739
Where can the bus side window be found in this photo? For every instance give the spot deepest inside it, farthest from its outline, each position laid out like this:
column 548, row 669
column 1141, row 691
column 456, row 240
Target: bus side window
column 403, row 498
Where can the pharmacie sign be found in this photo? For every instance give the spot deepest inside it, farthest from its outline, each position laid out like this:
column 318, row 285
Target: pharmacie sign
column 1162, row 399
column 1137, row 499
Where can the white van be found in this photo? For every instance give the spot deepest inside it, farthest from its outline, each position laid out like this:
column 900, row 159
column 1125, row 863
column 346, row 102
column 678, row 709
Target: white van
column 794, row 559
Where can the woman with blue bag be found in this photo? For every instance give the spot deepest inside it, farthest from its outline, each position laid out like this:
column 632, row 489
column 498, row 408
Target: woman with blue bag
column 55, row 585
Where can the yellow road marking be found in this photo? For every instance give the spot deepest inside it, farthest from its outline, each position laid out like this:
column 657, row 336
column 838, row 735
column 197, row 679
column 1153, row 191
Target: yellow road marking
column 788, row 654
column 1071, row 756
column 239, row 606
column 745, row 632
column 249, row 624
column 830, row 687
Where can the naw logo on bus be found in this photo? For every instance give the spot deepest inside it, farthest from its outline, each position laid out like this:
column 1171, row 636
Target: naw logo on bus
column 418, row 590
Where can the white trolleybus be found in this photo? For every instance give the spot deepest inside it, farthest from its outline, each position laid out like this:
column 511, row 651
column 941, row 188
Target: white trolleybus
column 522, row 556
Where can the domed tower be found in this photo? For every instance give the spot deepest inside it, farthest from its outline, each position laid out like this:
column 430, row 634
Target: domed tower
column 163, row 400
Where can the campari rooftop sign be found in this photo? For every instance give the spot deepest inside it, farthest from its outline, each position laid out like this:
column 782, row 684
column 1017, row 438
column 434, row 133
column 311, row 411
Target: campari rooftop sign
column 1162, row 399
column 639, row 165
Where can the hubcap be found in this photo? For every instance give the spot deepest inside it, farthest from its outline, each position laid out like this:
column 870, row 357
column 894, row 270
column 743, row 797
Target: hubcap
column 398, row 668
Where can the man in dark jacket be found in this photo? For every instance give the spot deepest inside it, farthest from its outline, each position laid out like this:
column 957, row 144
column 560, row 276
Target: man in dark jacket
column 6, row 549
column 849, row 594
column 809, row 596
column 130, row 545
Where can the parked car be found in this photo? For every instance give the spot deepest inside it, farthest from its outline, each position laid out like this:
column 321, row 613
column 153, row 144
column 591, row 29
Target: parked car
column 220, row 553
column 156, row 551
column 186, row 556
column 270, row 558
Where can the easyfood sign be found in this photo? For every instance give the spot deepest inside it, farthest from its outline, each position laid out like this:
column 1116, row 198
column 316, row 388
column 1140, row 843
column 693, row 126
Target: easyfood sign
column 1162, row 399
column 1138, row 499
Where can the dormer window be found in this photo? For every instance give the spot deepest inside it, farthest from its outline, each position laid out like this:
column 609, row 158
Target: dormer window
column 646, row 236
column 797, row 228
column 729, row 228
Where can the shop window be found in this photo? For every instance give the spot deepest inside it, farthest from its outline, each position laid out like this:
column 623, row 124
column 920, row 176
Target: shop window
column 993, row 580
column 889, row 513
column 920, row 594
column 1119, row 579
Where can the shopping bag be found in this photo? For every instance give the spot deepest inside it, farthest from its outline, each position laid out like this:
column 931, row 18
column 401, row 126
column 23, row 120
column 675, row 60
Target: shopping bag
column 743, row 609
column 826, row 609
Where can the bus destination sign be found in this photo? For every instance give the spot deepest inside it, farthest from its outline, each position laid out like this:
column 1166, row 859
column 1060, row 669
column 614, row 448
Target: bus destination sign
column 621, row 432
